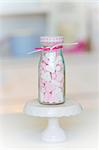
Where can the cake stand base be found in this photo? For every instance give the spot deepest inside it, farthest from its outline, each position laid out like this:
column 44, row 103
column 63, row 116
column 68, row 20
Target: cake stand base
column 53, row 132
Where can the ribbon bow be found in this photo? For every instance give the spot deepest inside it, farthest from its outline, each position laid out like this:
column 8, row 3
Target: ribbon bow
column 49, row 48
column 55, row 47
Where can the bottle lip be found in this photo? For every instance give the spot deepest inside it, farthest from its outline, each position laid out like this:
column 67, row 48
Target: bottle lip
column 51, row 39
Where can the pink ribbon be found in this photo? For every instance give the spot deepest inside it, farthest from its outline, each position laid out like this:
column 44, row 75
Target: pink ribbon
column 76, row 47
column 48, row 48
column 80, row 47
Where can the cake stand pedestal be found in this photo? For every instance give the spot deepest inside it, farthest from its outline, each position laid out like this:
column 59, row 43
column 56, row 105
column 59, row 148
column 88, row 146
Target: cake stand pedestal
column 53, row 132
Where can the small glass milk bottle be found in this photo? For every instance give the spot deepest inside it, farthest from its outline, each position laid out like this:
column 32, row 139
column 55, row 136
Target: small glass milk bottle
column 51, row 72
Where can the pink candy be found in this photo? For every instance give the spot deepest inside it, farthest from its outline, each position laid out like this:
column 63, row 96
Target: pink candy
column 46, row 60
column 62, row 83
column 51, row 79
column 59, row 76
column 53, row 75
column 58, row 67
column 43, row 65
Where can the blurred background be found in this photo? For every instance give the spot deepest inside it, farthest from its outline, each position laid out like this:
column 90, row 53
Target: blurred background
column 22, row 24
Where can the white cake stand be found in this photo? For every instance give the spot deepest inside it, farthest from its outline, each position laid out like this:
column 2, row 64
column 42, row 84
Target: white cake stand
column 53, row 133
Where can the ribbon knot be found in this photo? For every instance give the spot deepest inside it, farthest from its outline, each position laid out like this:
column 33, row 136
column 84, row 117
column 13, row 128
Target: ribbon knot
column 49, row 48
column 55, row 47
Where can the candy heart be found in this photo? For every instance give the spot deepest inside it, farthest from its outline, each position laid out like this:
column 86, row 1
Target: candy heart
column 48, row 89
column 59, row 76
column 51, row 56
column 61, row 64
column 47, row 97
column 58, row 94
column 41, row 85
column 57, row 90
column 58, row 68
column 43, row 65
column 56, row 83
column 46, row 76
column 58, row 59
column 49, row 86
column 51, row 67
column 61, row 84
column 60, row 97
column 45, row 60
column 42, row 72
column 53, row 76
column 43, row 90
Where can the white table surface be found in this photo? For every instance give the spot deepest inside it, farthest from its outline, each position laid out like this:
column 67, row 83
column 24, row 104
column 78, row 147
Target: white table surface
column 20, row 131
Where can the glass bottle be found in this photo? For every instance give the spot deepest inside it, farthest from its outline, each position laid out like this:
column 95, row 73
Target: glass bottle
column 51, row 73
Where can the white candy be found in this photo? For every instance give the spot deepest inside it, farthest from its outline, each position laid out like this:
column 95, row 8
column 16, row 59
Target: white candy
column 43, row 90
column 58, row 68
column 60, row 97
column 57, row 91
column 42, row 72
column 58, row 94
column 51, row 56
column 59, row 77
column 51, row 67
column 58, row 59
column 56, row 83
column 46, row 76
